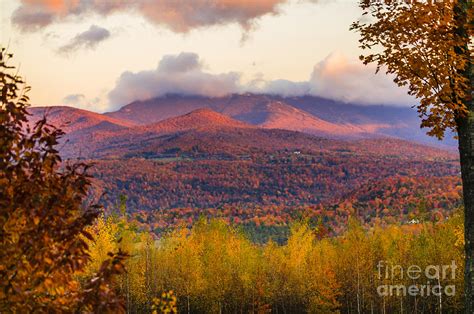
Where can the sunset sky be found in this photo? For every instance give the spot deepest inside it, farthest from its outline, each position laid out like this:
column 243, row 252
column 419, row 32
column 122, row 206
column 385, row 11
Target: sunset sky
column 100, row 55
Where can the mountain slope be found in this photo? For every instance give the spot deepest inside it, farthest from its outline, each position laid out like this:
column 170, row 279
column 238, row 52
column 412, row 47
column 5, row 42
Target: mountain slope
column 276, row 126
column 204, row 133
column 331, row 117
column 84, row 129
column 72, row 120
column 159, row 109
column 203, row 118
column 282, row 116
column 207, row 159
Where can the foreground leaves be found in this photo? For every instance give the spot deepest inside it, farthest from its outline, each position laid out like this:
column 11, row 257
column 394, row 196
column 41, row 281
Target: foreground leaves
column 43, row 217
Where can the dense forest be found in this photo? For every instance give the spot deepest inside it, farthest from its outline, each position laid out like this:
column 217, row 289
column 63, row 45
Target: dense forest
column 267, row 191
column 215, row 267
column 282, row 178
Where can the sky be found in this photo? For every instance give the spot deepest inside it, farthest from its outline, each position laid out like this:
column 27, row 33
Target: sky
column 102, row 54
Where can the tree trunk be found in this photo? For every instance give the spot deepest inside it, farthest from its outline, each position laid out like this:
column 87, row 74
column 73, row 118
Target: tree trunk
column 466, row 150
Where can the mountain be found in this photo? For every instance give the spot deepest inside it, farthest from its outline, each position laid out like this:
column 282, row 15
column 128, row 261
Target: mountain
column 253, row 154
column 313, row 115
column 84, row 129
column 204, row 133
column 204, row 159
column 203, row 118
column 158, row 109
column 72, row 120
column 268, row 115
column 282, row 116
column 197, row 129
column 308, row 114
column 234, row 125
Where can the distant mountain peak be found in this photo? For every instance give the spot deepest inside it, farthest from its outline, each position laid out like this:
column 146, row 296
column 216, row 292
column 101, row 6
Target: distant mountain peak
column 204, row 112
column 202, row 118
column 307, row 114
column 209, row 117
column 71, row 119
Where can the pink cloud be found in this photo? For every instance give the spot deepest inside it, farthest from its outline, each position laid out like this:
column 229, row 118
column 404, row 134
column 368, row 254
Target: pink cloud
column 175, row 74
column 178, row 15
column 336, row 77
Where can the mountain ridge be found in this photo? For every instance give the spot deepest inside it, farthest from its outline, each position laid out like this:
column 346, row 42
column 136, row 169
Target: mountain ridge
column 355, row 120
column 310, row 115
column 201, row 118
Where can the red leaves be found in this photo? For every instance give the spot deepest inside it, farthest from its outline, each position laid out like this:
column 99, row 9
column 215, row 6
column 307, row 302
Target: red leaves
column 42, row 217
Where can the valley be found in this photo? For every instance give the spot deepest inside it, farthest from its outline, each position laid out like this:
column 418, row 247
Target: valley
column 255, row 160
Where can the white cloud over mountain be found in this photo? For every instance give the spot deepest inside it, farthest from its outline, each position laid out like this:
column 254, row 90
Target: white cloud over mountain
column 175, row 74
column 340, row 78
column 336, row 77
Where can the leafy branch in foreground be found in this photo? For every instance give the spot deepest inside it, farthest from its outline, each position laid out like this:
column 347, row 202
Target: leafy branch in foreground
column 43, row 216
column 427, row 45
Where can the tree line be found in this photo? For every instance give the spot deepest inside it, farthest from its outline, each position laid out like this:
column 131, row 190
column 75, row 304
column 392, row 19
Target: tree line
column 214, row 267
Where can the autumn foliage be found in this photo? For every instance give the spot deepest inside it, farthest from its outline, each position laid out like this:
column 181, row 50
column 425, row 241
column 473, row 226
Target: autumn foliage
column 426, row 48
column 43, row 216
column 213, row 267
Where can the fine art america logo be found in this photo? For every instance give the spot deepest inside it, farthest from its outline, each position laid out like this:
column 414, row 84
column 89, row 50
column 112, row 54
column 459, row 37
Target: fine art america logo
column 425, row 281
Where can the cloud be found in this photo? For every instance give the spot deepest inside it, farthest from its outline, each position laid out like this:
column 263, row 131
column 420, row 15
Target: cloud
column 336, row 77
column 32, row 17
column 280, row 87
column 81, row 101
column 340, row 78
column 87, row 39
column 175, row 74
column 74, row 99
column 179, row 16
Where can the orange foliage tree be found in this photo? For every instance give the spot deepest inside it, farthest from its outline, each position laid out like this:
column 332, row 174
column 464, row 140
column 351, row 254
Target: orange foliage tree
column 427, row 45
column 43, row 217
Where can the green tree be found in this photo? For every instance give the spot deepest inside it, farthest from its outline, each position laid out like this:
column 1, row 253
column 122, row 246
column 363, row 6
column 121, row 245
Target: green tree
column 42, row 218
column 427, row 45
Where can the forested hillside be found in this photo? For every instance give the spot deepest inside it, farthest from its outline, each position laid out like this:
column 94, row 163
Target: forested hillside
column 207, row 163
